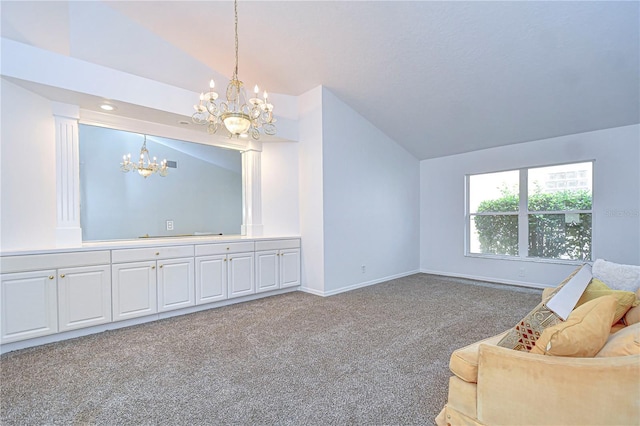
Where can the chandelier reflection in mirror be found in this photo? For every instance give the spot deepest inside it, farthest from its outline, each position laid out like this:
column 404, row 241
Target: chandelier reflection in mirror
column 144, row 166
column 239, row 117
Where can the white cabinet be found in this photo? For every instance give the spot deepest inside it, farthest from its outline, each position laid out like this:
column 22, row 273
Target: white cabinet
column 84, row 297
column 240, row 271
column 133, row 288
column 29, row 305
column 289, row 268
column 175, row 284
column 149, row 286
column 211, row 278
column 48, row 293
column 277, row 265
column 224, row 271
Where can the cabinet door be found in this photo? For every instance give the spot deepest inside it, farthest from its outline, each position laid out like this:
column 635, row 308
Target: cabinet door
column 267, row 270
column 211, row 279
column 29, row 305
column 84, row 297
column 176, row 284
column 289, row 268
column 240, row 267
column 133, row 290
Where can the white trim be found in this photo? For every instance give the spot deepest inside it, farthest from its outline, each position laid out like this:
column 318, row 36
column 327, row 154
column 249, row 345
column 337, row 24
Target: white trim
column 358, row 285
column 487, row 279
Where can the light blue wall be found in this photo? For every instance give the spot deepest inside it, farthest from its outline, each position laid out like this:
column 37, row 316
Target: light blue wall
column 371, row 192
column 198, row 196
column 616, row 203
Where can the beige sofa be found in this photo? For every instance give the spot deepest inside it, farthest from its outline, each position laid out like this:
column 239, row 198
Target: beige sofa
column 493, row 385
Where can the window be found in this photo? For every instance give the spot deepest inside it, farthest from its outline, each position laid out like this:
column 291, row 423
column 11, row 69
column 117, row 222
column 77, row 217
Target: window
column 542, row 212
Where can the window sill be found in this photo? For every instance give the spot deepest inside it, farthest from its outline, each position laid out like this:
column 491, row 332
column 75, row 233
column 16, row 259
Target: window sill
column 529, row 259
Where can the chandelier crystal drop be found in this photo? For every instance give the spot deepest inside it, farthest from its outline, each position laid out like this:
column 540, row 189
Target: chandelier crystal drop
column 239, row 117
column 145, row 166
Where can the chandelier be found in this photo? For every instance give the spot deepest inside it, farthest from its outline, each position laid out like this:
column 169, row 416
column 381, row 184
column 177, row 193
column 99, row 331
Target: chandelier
column 144, row 166
column 239, row 117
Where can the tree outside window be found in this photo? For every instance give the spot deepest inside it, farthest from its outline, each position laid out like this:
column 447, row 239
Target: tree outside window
column 542, row 212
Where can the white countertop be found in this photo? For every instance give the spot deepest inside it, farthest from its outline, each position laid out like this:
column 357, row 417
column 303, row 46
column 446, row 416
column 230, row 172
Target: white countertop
column 147, row 242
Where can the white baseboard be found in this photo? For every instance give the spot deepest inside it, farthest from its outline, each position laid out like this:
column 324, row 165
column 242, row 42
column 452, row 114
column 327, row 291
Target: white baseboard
column 487, row 279
column 358, row 285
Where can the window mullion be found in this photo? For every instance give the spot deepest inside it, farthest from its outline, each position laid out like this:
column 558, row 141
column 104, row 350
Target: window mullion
column 523, row 214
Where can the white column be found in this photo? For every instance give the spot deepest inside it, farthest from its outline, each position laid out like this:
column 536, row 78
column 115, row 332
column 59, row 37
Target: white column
column 252, row 190
column 68, row 231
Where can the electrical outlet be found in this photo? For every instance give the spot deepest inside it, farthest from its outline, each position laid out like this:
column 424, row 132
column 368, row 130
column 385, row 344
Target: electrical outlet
column 169, row 225
column 363, row 268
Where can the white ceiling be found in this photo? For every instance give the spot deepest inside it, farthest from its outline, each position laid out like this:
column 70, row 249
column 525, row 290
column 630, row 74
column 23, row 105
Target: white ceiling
column 437, row 77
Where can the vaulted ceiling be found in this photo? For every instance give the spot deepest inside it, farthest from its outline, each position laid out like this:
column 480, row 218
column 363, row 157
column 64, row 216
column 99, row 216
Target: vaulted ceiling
column 439, row 78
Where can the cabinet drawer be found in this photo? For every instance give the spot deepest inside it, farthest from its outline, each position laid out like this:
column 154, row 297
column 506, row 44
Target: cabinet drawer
column 150, row 253
column 277, row 244
column 33, row 262
column 224, row 248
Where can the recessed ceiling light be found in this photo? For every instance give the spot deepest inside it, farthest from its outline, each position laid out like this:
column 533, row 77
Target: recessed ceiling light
column 107, row 107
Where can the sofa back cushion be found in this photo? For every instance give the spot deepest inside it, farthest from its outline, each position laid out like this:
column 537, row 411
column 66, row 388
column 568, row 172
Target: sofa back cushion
column 624, row 342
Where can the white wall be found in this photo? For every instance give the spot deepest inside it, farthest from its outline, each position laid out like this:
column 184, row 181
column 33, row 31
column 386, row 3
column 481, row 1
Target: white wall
column 311, row 191
column 616, row 205
column 27, row 170
column 371, row 201
column 280, row 188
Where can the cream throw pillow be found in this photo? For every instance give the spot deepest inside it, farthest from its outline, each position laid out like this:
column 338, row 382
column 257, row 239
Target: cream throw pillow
column 583, row 334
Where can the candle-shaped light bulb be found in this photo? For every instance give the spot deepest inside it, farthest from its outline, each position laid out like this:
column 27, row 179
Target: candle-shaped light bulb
column 201, row 97
column 124, row 157
column 212, row 85
column 256, row 90
column 265, row 94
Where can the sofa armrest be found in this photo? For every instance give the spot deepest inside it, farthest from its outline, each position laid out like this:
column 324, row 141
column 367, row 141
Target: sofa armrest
column 521, row 388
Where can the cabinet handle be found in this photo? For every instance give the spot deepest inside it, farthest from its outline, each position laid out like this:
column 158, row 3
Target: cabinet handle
column 61, row 275
column 157, row 253
column 51, row 277
column 161, row 266
column 225, row 259
column 227, row 248
column 153, row 267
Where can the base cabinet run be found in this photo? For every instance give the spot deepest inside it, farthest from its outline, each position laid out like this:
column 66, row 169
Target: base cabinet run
column 42, row 294
column 277, row 268
column 42, row 302
column 149, row 286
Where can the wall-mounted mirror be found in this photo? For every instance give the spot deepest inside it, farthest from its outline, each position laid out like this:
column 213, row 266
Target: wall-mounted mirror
column 201, row 195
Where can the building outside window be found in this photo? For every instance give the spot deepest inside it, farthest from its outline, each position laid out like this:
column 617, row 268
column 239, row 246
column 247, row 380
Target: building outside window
column 541, row 212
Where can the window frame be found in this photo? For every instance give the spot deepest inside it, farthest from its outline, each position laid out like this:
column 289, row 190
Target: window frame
column 523, row 213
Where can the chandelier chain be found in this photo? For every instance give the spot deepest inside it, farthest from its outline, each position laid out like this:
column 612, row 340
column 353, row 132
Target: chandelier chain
column 235, row 10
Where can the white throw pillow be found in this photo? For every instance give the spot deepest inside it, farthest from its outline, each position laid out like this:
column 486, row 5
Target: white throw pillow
column 616, row 275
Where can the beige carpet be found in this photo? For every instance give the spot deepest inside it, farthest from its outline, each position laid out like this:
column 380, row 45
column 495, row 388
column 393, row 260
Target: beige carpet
column 373, row 356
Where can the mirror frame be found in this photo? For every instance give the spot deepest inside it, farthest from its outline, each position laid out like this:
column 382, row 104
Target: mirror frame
column 67, row 119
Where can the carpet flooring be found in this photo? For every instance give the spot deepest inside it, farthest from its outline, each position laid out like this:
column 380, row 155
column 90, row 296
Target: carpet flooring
column 373, row 356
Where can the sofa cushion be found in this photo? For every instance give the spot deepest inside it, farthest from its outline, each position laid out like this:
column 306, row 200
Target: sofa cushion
column 464, row 361
column 583, row 334
column 633, row 315
column 597, row 288
column 624, row 342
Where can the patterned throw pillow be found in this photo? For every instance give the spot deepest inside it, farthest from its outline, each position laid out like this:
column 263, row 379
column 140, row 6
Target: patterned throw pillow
column 523, row 336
